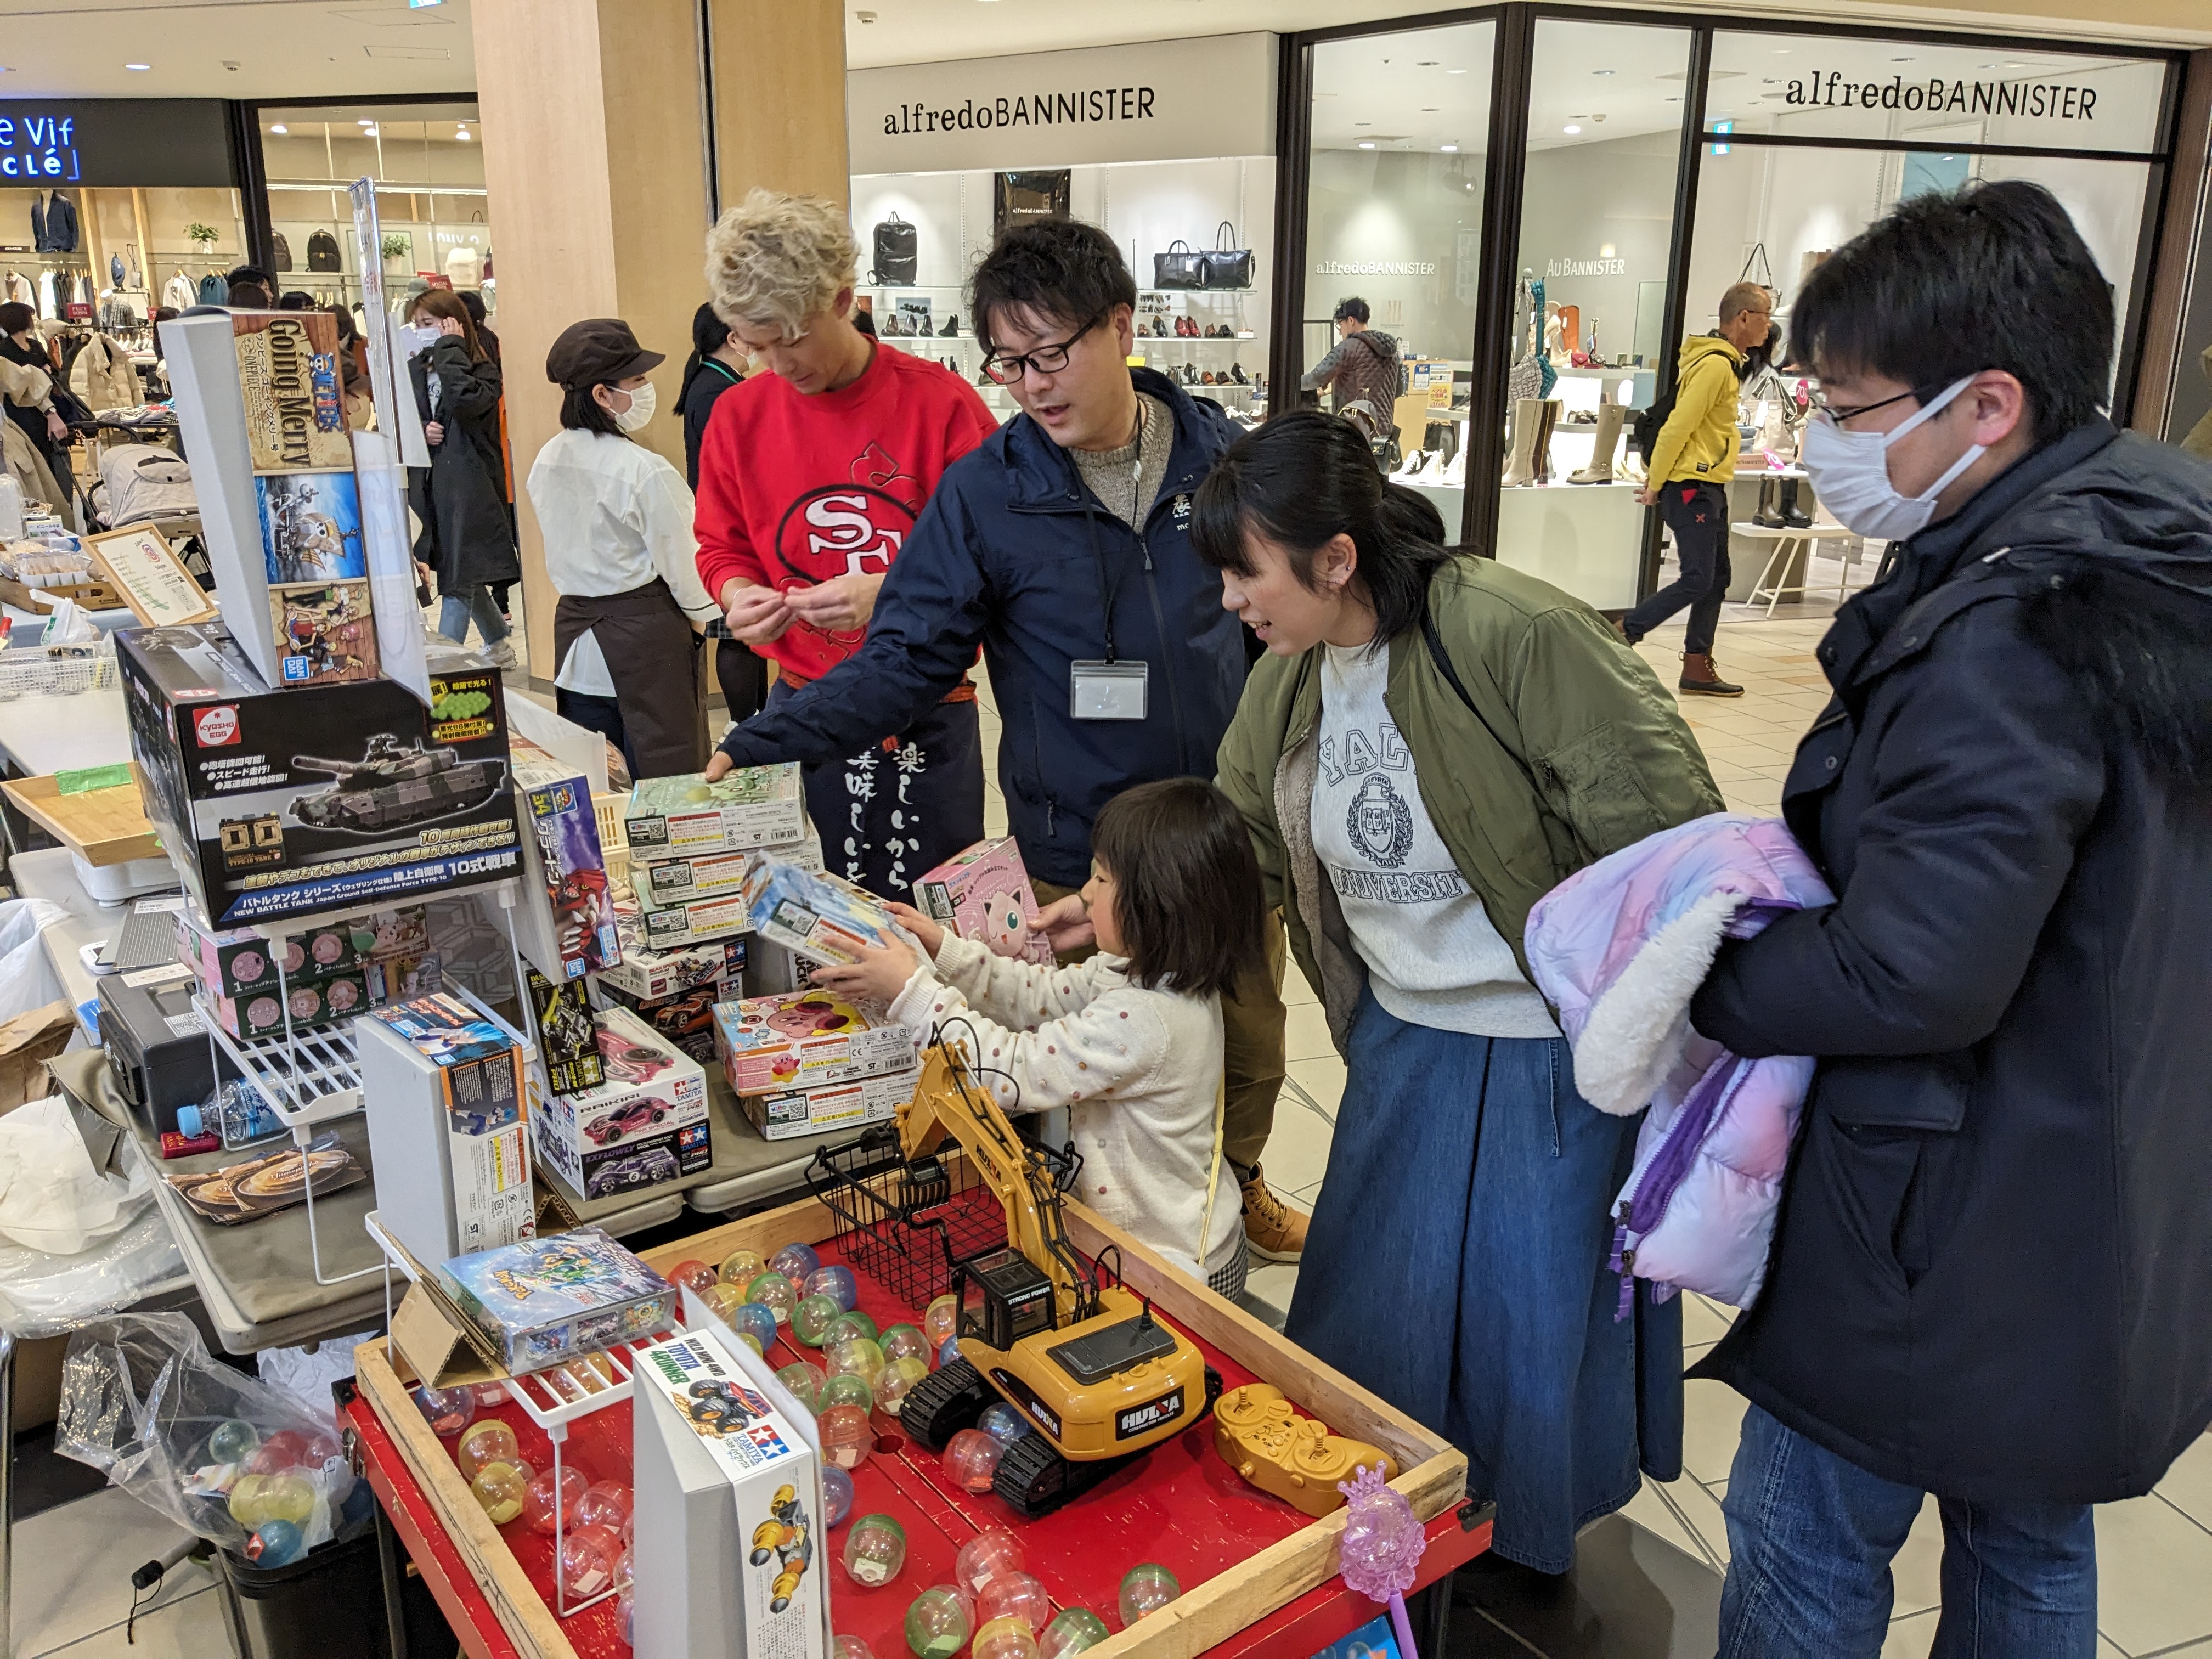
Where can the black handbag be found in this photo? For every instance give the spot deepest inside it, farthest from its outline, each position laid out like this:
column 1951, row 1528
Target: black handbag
column 1179, row 267
column 896, row 257
column 322, row 251
column 1223, row 266
column 280, row 250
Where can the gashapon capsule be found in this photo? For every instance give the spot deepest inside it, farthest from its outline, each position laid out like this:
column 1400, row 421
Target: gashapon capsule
column 1003, row 1423
column 692, row 1274
column 795, row 1262
column 775, row 1292
column 849, row 1324
column 836, row 1494
column 838, row 1284
column 949, row 1353
column 448, row 1411
column 1014, row 1596
column 856, row 1355
column 941, row 1320
column 811, row 1317
column 850, row 1647
column 625, row 1571
column 276, row 1544
column 257, row 1499
column 488, row 1442
column 741, row 1267
column 896, row 1379
column 759, row 1322
column 752, row 1342
column 724, row 1301
column 1147, row 1588
column 233, row 1441
column 989, row 1554
column 605, row 1503
column 502, row 1490
column 545, row 1497
column 875, row 1550
column 587, row 1563
column 846, row 1389
column 902, row 1339
column 1005, row 1638
column 626, row 1618
column 1074, row 1630
column 848, row 1437
column 804, row 1379
column 938, row 1623
column 971, row 1459
column 287, row 1449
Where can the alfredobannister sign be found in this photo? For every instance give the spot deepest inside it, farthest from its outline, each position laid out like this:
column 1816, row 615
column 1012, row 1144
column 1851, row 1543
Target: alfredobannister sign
column 1164, row 101
column 2035, row 100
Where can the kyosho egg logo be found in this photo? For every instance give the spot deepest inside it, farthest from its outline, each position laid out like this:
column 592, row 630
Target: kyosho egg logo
column 216, row 726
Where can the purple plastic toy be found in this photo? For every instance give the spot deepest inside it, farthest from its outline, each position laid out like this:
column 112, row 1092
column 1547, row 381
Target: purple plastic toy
column 1381, row 1547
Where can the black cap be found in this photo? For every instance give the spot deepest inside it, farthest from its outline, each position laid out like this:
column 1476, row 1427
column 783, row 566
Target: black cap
column 596, row 351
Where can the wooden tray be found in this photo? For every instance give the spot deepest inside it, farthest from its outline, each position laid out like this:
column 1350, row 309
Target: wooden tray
column 1433, row 1474
column 102, row 826
column 93, row 596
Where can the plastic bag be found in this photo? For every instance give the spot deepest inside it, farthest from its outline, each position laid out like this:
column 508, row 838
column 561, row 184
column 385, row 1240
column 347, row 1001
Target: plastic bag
column 43, row 1295
column 221, row 1453
column 51, row 1200
column 27, row 979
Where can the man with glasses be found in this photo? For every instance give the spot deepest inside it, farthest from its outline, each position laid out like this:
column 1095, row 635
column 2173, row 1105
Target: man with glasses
column 1061, row 548
column 812, row 475
column 1686, row 477
column 1992, row 1267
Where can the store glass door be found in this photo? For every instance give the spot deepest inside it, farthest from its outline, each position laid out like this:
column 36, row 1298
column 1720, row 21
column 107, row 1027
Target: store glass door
column 1394, row 228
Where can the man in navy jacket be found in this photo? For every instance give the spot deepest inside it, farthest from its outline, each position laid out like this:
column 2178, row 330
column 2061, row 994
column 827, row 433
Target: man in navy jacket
column 1110, row 656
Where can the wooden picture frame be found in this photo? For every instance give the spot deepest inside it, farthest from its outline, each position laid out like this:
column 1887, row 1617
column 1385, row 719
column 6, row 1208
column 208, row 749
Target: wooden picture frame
column 153, row 579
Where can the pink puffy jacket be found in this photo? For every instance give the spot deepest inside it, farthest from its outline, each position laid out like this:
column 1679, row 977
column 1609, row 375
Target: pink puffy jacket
column 1619, row 948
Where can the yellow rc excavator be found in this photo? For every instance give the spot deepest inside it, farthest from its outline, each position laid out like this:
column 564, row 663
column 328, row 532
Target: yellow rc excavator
column 1100, row 1376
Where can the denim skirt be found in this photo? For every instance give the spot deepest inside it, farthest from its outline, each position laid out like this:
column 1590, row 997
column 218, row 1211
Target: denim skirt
column 1457, row 1266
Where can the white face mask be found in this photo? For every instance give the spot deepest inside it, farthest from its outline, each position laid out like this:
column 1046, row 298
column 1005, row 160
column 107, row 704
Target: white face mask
column 1849, row 474
column 642, row 401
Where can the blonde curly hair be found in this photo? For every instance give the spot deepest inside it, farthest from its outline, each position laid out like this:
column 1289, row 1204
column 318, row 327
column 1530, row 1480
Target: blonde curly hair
column 776, row 260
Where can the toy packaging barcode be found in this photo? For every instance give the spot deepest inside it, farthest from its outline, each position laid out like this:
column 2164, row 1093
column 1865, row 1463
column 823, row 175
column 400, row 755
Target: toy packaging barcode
column 905, row 1224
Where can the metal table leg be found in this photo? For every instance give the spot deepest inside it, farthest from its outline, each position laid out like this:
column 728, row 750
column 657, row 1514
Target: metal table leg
column 8, row 1496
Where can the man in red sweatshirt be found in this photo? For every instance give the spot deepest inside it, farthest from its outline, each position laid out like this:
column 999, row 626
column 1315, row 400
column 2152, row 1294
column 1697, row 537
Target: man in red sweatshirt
column 810, row 476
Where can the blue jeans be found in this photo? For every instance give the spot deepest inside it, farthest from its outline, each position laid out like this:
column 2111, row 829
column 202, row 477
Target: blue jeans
column 456, row 609
column 1811, row 1536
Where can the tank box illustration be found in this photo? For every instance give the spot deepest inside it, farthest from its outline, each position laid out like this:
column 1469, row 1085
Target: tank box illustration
column 342, row 797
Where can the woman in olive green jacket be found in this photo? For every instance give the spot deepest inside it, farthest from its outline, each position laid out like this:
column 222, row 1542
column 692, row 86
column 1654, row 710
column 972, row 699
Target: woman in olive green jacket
column 1431, row 744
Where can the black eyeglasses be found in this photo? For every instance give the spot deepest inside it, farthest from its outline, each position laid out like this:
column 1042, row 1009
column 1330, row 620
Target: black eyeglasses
column 1839, row 415
column 1006, row 368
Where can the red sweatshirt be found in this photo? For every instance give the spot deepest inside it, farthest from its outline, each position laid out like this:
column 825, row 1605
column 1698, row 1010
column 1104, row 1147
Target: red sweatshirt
column 795, row 490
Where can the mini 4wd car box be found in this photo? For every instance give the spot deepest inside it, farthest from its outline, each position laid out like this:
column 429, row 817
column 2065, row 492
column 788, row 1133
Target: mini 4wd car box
column 342, row 797
column 805, row 1039
column 568, row 1041
column 646, row 1125
column 543, row 1301
column 730, row 1554
column 686, row 1020
column 984, row 894
column 830, row 1106
column 662, row 883
column 752, row 806
column 441, row 1079
column 822, row 918
column 566, row 921
column 650, row 974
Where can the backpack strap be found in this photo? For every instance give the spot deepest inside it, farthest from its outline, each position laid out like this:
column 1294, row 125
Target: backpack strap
column 1439, row 656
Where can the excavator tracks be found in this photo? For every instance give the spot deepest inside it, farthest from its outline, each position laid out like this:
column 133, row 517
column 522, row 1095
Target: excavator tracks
column 947, row 1401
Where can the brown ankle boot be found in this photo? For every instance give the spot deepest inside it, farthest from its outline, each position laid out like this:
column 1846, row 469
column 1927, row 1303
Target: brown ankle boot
column 1700, row 673
column 1273, row 1230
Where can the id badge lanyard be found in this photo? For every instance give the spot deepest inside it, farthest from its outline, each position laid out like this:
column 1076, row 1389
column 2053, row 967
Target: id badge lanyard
column 1111, row 690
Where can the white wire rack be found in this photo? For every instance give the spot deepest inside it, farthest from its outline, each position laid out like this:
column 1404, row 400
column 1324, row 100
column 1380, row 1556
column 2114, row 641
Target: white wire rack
column 35, row 674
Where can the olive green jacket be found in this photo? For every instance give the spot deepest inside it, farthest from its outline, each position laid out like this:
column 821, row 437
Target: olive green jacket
column 1611, row 759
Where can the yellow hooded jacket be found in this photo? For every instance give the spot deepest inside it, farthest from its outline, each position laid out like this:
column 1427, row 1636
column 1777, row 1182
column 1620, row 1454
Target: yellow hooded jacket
column 1697, row 445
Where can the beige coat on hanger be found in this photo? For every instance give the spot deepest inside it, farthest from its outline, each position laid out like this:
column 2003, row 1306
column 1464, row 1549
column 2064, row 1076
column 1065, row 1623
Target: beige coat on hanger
column 103, row 378
column 29, row 388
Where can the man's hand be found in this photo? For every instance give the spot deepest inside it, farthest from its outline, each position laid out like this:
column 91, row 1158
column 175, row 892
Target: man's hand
column 719, row 765
column 756, row 615
column 57, row 428
column 1066, row 923
column 930, row 933
column 435, row 431
column 838, row 606
column 879, row 976
column 1647, row 496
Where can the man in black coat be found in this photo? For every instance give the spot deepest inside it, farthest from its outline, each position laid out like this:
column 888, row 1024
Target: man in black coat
column 1992, row 1272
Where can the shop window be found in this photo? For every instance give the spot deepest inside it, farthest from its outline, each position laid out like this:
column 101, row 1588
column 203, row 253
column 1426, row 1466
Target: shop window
column 1606, row 111
column 1400, row 127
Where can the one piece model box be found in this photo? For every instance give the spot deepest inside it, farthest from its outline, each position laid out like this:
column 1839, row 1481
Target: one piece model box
column 280, row 804
column 751, row 806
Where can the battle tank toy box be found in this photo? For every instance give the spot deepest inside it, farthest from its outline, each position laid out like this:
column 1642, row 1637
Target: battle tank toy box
column 752, row 806
column 804, row 1040
column 543, row 1301
column 984, row 894
column 340, row 797
column 644, row 1126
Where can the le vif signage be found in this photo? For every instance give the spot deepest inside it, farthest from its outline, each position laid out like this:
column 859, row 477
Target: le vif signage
column 39, row 148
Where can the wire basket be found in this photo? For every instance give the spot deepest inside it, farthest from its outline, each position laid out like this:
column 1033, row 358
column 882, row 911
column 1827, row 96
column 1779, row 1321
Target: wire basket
column 38, row 674
column 906, row 1225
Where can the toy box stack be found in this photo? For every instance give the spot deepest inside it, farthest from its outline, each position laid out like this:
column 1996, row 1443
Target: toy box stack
column 644, row 1126
column 984, row 894
column 808, row 1062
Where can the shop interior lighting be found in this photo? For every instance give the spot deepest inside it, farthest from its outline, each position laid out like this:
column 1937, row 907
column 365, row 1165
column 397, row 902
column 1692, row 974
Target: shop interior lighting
column 1571, row 129
column 365, row 122
column 463, row 136
column 279, row 129
column 1454, row 71
column 1367, row 143
column 1450, row 149
column 1601, row 72
column 141, row 67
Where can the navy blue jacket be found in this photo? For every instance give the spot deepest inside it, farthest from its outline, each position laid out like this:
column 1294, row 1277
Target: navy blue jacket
column 1002, row 557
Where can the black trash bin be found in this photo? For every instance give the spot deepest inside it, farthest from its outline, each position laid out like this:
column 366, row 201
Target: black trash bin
column 329, row 1604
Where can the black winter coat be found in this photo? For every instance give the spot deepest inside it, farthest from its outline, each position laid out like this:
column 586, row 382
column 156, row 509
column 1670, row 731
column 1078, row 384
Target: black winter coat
column 1992, row 1272
column 461, row 497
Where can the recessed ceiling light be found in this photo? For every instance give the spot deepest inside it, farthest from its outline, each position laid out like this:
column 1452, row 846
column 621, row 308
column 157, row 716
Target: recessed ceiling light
column 138, row 66
column 1367, row 143
column 1782, row 52
column 1454, row 71
column 1571, row 129
column 364, row 122
column 1450, row 149
column 462, row 135
column 1606, row 250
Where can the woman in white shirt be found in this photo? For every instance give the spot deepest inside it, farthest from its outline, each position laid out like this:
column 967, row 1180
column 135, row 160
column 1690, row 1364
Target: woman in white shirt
column 617, row 522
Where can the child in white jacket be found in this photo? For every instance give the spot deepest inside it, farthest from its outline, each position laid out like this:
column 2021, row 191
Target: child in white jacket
column 1130, row 1040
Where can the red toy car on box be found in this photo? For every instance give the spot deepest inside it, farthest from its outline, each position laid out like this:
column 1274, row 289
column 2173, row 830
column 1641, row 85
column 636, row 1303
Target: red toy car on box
column 638, row 1115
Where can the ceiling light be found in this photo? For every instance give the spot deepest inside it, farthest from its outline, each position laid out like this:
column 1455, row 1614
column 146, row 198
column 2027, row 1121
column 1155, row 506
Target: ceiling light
column 138, row 66
column 1454, row 71
column 280, row 129
column 1571, row 129
column 364, row 122
column 1367, row 143
column 1606, row 250
column 1900, row 60
column 462, row 135
column 1450, row 149
column 1782, row 52
column 1362, row 123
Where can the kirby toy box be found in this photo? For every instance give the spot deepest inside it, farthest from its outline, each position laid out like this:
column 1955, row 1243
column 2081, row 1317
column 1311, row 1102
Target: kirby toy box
column 984, row 894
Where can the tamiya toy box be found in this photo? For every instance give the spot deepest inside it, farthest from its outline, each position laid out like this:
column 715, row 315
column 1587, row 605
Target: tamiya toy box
column 803, row 1040
column 660, row 883
column 279, row 804
column 651, row 975
column 566, row 923
column 549, row 1300
column 646, row 1125
column 568, row 1041
column 822, row 918
column 751, row 806
column 984, row 894
column 834, row 1106
column 686, row 1020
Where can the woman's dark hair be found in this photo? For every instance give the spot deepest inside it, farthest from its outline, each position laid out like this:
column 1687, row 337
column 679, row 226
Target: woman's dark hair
column 1305, row 479
column 296, row 299
column 444, row 303
column 348, row 329
column 1994, row 275
column 582, row 412
column 1060, row 269
column 246, row 296
column 709, row 334
column 16, row 317
column 1186, row 884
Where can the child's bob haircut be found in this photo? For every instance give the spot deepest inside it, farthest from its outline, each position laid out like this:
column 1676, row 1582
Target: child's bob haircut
column 1186, row 884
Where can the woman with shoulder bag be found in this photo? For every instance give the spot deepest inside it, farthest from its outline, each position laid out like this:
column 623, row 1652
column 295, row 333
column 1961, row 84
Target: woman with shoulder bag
column 461, row 497
column 1432, row 743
